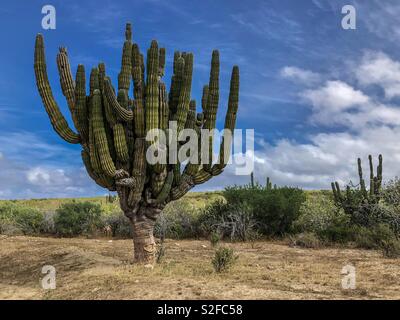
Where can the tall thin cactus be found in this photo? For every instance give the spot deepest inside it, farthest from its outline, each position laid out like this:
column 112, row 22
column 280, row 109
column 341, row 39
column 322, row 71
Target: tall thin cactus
column 112, row 127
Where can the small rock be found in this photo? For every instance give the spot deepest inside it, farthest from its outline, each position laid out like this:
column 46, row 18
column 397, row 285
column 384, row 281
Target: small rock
column 177, row 244
column 149, row 266
column 109, row 240
column 204, row 246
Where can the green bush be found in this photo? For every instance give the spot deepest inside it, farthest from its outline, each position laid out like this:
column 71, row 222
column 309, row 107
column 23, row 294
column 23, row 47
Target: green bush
column 78, row 218
column 273, row 209
column 17, row 219
column 320, row 216
column 304, row 240
column 223, row 259
column 236, row 222
column 179, row 220
column 380, row 237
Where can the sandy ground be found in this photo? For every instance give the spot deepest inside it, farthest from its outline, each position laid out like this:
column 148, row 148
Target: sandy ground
column 101, row 269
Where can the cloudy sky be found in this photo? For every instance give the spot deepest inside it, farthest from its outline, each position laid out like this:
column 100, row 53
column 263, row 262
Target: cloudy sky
column 318, row 96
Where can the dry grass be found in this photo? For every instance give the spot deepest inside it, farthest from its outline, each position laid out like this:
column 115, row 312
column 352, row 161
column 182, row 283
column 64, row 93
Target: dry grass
column 99, row 269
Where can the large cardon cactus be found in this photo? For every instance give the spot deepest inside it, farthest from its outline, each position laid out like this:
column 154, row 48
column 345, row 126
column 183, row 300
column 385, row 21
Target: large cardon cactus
column 113, row 128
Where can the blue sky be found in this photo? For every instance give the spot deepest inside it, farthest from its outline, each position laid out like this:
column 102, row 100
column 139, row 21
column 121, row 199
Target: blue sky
column 317, row 96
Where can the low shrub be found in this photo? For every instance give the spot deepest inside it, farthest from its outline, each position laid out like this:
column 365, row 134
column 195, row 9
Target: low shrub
column 48, row 225
column 234, row 222
column 215, row 238
column 304, row 240
column 380, row 237
column 224, row 259
column 273, row 209
column 78, row 218
column 179, row 220
column 17, row 219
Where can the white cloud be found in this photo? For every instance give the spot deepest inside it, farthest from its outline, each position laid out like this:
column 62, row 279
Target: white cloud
column 370, row 127
column 26, row 172
column 379, row 69
column 47, row 177
column 303, row 76
column 335, row 96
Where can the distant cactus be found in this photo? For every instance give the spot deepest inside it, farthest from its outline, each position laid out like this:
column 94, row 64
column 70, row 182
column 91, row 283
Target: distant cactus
column 252, row 183
column 268, row 184
column 355, row 200
column 111, row 127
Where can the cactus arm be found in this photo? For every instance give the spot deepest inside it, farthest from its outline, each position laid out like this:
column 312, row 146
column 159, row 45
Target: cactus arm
column 184, row 96
column 371, row 176
column 81, row 108
column 252, row 180
column 124, row 77
column 152, row 94
column 94, row 80
column 66, row 81
column 164, row 108
column 57, row 120
column 138, row 172
column 204, row 98
column 379, row 174
column 362, row 182
column 212, row 105
column 99, row 133
column 109, row 111
column 124, row 114
column 161, row 62
column 100, row 180
column 164, row 193
column 137, row 73
column 176, row 83
column 121, row 147
column 94, row 157
column 338, row 191
column 230, row 122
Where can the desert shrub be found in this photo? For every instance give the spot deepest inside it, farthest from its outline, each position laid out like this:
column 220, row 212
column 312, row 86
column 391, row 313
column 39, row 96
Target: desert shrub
column 233, row 222
column 215, row 237
column 17, row 219
column 211, row 216
column 374, row 238
column 48, row 225
column 179, row 220
column 390, row 248
column 304, row 240
column 77, row 218
column 119, row 224
column 319, row 215
column 391, row 192
column 273, row 209
column 223, row 259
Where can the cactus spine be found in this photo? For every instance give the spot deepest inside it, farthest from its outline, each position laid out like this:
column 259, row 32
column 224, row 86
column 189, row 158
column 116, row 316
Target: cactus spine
column 112, row 127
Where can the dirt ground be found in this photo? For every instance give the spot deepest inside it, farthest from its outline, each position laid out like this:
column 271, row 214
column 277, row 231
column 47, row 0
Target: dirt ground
column 101, row 269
